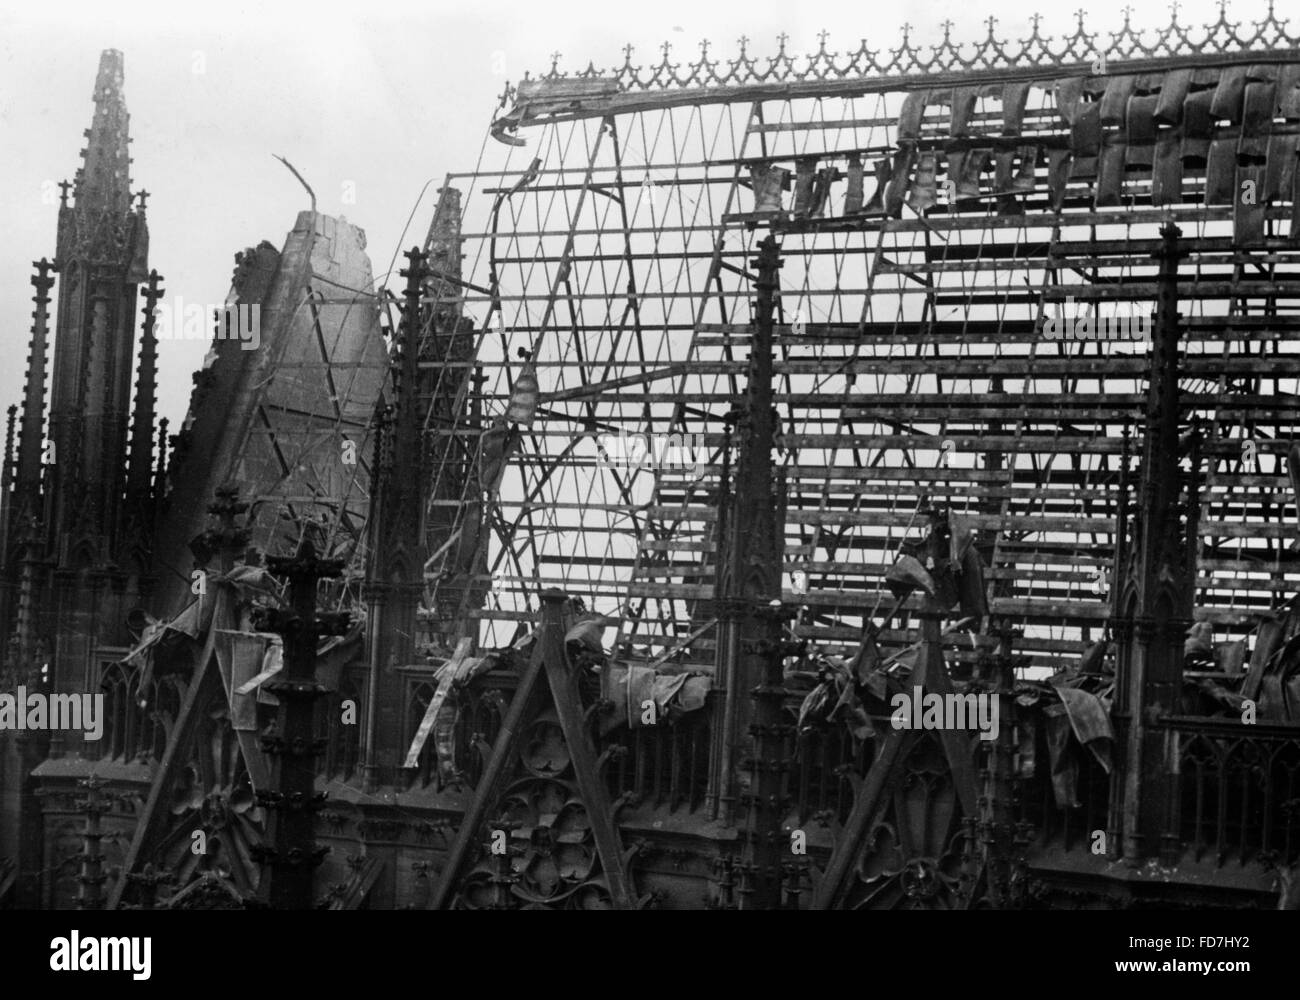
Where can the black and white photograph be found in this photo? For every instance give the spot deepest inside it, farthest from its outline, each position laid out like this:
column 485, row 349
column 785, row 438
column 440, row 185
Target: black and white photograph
column 588, row 456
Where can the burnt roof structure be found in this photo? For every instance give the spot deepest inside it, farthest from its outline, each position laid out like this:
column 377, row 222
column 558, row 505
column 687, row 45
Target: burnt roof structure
column 961, row 374
column 979, row 364
column 940, row 209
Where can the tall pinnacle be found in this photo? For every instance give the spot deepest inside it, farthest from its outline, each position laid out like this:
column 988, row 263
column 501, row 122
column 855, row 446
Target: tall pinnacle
column 98, row 226
column 139, row 483
column 103, row 247
column 32, row 434
column 104, row 177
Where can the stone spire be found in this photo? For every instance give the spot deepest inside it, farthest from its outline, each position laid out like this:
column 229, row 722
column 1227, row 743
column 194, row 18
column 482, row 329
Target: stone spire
column 101, row 256
column 104, row 177
column 1159, row 582
column 140, row 469
column 31, row 441
column 395, row 571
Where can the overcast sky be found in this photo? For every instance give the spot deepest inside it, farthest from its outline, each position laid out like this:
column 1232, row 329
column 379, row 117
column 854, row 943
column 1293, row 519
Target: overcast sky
column 381, row 96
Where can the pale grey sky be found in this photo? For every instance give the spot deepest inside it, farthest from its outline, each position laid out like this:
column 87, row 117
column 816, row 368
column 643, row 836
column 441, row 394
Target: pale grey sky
column 383, row 96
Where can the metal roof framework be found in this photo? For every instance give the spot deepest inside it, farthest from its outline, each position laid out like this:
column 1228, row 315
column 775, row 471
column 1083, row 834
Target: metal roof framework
column 616, row 248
